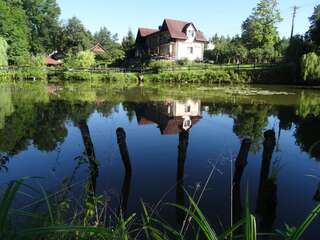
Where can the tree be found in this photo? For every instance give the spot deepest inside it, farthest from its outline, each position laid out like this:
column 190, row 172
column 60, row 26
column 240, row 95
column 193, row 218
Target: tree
column 74, row 37
column 314, row 31
column 310, row 66
column 43, row 21
column 105, row 38
column 128, row 44
column 14, row 28
column 84, row 59
column 114, row 52
column 259, row 30
column 3, row 52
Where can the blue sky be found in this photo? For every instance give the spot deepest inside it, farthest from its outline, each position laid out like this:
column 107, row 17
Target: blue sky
column 210, row 16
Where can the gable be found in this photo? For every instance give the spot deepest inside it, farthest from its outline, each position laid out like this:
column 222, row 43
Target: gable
column 177, row 30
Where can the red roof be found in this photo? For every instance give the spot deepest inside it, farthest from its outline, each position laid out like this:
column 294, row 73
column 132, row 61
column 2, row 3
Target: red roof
column 147, row 31
column 50, row 61
column 98, row 49
column 176, row 29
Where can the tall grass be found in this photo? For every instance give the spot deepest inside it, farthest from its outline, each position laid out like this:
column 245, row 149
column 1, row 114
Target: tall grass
column 153, row 228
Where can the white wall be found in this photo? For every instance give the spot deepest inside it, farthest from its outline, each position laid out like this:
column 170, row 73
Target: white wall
column 187, row 108
column 182, row 50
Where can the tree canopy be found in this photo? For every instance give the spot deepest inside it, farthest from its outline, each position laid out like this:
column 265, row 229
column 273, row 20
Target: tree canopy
column 314, row 31
column 43, row 22
column 74, row 37
column 3, row 52
column 14, row 28
column 128, row 44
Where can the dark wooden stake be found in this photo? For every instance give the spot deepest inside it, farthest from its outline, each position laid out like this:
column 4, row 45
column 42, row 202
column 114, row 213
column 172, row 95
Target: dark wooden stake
column 267, row 194
column 121, row 139
column 182, row 155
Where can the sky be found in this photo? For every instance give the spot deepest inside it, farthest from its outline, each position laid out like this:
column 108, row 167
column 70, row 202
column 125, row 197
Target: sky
column 223, row 17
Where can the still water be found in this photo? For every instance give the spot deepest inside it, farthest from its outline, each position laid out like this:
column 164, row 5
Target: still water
column 151, row 143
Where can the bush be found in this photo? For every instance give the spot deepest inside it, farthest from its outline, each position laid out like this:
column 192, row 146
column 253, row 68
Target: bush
column 84, row 59
column 3, row 52
column 310, row 67
column 159, row 65
column 109, row 76
column 200, row 76
column 31, row 68
column 183, row 62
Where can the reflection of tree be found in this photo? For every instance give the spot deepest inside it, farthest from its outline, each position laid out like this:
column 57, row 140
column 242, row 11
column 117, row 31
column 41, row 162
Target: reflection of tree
column 309, row 104
column 41, row 124
column 267, row 194
column 249, row 122
column 182, row 155
column 50, row 121
column 308, row 135
column 6, row 106
column 129, row 107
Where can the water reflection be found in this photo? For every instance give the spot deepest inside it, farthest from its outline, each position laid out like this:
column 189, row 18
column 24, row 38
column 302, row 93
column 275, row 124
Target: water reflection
column 34, row 123
column 170, row 116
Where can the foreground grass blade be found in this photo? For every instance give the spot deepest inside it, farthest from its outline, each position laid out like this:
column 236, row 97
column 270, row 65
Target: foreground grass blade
column 7, row 201
column 45, row 195
column 200, row 219
column 250, row 222
column 302, row 228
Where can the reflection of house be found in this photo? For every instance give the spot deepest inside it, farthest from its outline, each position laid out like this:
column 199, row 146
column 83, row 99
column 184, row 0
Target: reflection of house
column 173, row 40
column 171, row 116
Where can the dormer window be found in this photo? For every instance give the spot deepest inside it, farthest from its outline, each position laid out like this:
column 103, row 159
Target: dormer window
column 191, row 33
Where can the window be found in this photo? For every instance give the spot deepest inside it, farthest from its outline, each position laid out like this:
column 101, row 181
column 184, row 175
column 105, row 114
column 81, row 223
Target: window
column 187, row 109
column 191, row 33
column 190, row 50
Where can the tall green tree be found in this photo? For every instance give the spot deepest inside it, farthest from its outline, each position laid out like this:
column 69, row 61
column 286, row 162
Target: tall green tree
column 14, row 28
column 105, row 38
column 114, row 52
column 259, row 30
column 43, row 21
column 74, row 37
column 314, row 31
column 3, row 52
column 128, row 44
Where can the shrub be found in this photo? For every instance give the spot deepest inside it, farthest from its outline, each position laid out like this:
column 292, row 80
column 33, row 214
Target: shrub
column 160, row 65
column 183, row 62
column 310, row 67
column 3, row 52
column 85, row 59
column 201, row 76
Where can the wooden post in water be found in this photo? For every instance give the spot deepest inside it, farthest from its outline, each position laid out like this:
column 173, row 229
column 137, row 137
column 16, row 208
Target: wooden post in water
column 182, row 155
column 267, row 194
column 121, row 139
column 93, row 165
column 240, row 164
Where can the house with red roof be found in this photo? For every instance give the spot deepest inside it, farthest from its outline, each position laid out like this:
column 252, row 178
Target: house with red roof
column 175, row 40
column 97, row 49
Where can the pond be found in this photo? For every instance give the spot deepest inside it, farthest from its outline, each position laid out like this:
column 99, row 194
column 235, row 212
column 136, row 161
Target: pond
column 151, row 143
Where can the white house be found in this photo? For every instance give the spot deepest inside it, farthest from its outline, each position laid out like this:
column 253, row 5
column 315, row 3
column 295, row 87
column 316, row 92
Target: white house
column 173, row 40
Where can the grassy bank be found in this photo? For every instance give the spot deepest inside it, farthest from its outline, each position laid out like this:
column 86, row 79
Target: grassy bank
column 282, row 74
